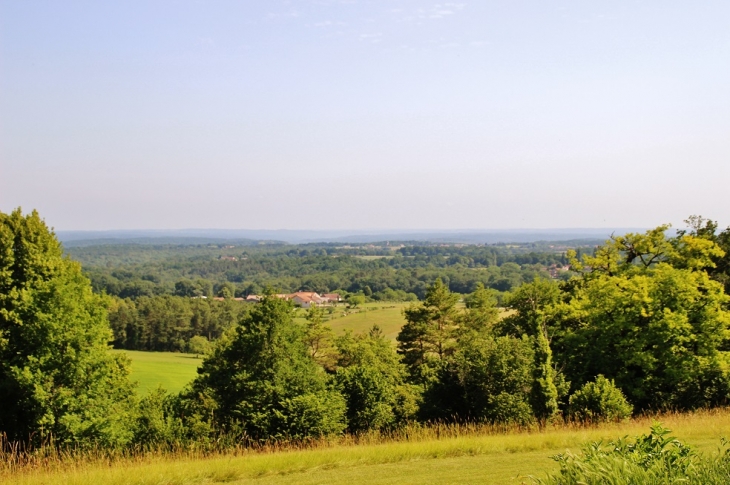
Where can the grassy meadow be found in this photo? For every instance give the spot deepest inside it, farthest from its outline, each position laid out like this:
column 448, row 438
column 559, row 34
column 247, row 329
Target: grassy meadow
column 465, row 455
column 171, row 370
column 388, row 316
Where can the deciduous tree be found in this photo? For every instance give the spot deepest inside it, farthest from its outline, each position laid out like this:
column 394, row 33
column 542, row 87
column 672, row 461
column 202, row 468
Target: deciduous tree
column 57, row 376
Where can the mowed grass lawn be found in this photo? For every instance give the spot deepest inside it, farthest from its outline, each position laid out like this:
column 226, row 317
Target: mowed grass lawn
column 171, row 370
column 472, row 458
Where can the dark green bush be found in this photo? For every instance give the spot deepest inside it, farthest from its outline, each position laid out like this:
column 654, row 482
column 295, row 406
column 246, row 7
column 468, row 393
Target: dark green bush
column 599, row 401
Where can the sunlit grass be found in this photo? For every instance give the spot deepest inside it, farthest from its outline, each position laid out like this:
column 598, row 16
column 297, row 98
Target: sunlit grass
column 465, row 454
column 388, row 316
column 171, row 370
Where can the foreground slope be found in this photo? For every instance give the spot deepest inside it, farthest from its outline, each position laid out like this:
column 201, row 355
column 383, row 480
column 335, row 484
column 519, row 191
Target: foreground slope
column 470, row 458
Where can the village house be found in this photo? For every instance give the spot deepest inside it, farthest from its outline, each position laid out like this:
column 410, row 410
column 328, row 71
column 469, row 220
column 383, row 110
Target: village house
column 304, row 299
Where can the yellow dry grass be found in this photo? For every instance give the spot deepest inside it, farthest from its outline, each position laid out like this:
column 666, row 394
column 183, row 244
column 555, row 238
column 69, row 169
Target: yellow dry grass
column 470, row 454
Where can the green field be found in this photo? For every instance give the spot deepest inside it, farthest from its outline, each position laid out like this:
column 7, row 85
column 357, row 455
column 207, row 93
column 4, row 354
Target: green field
column 473, row 457
column 388, row 316
column 170, row 370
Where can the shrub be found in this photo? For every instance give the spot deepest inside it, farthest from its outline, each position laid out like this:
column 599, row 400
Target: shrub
column 653, row 459
column 198, row 345
column 599, row 401
column 155, row 424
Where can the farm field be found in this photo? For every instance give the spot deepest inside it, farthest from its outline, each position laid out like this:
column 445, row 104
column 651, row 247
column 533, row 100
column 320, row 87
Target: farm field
column 388, row 316
column 171, row 370
column 471, row 458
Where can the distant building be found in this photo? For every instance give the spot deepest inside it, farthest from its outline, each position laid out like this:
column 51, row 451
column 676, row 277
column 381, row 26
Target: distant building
column 304, row 299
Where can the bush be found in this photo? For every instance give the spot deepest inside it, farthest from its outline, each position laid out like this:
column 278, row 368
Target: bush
column 369, row 396
column 155, row 424
column 313, row 414
column 653, row 459
column 198, row 345
column 599, row 401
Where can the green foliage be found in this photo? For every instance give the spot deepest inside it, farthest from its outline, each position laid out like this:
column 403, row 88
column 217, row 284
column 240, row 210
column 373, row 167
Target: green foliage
column 199, row 345
column 372, row 380
column 262, row 380
column 356, row 300
column 156, row 424
column 646, row 313
column 319, row 338
column 532, row 303
column 653, row 459
column 544, row 392
column 57, row 376
column 488, row 379
column 533, row 306
column 428, row 335
column 136, row 270
column 599, row 401
column 168, row 323
column 481, row 310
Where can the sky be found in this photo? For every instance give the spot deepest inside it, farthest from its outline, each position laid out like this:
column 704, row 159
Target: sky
column 365, row 114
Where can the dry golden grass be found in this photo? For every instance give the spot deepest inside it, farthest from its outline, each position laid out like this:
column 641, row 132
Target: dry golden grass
column 443, row 454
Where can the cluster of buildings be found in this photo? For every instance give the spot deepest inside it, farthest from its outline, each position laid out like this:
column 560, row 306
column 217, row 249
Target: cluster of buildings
column 304, row 299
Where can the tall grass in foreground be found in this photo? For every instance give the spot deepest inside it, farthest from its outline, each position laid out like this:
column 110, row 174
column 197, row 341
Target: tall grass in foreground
column 190, row 465
column 653, row 459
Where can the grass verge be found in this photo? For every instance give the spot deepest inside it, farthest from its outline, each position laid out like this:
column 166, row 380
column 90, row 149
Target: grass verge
column 466, row 454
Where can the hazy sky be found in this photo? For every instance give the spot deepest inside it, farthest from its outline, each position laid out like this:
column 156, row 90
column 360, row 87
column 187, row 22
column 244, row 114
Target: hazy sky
column 365, row 114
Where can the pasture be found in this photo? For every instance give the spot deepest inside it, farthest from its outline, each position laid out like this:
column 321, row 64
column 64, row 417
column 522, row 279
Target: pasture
column 388, row 316
column 171, row 370
column 466, row 455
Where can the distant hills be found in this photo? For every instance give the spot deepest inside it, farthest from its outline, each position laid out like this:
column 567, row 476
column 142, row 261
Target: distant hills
column 255, row 236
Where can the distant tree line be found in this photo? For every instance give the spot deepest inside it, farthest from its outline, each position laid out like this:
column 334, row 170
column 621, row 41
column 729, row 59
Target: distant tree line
column 168, row 323
column 134, row 271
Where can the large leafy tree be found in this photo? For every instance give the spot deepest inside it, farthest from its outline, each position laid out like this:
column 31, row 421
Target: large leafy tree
column 647, row 314
column 57, row 376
